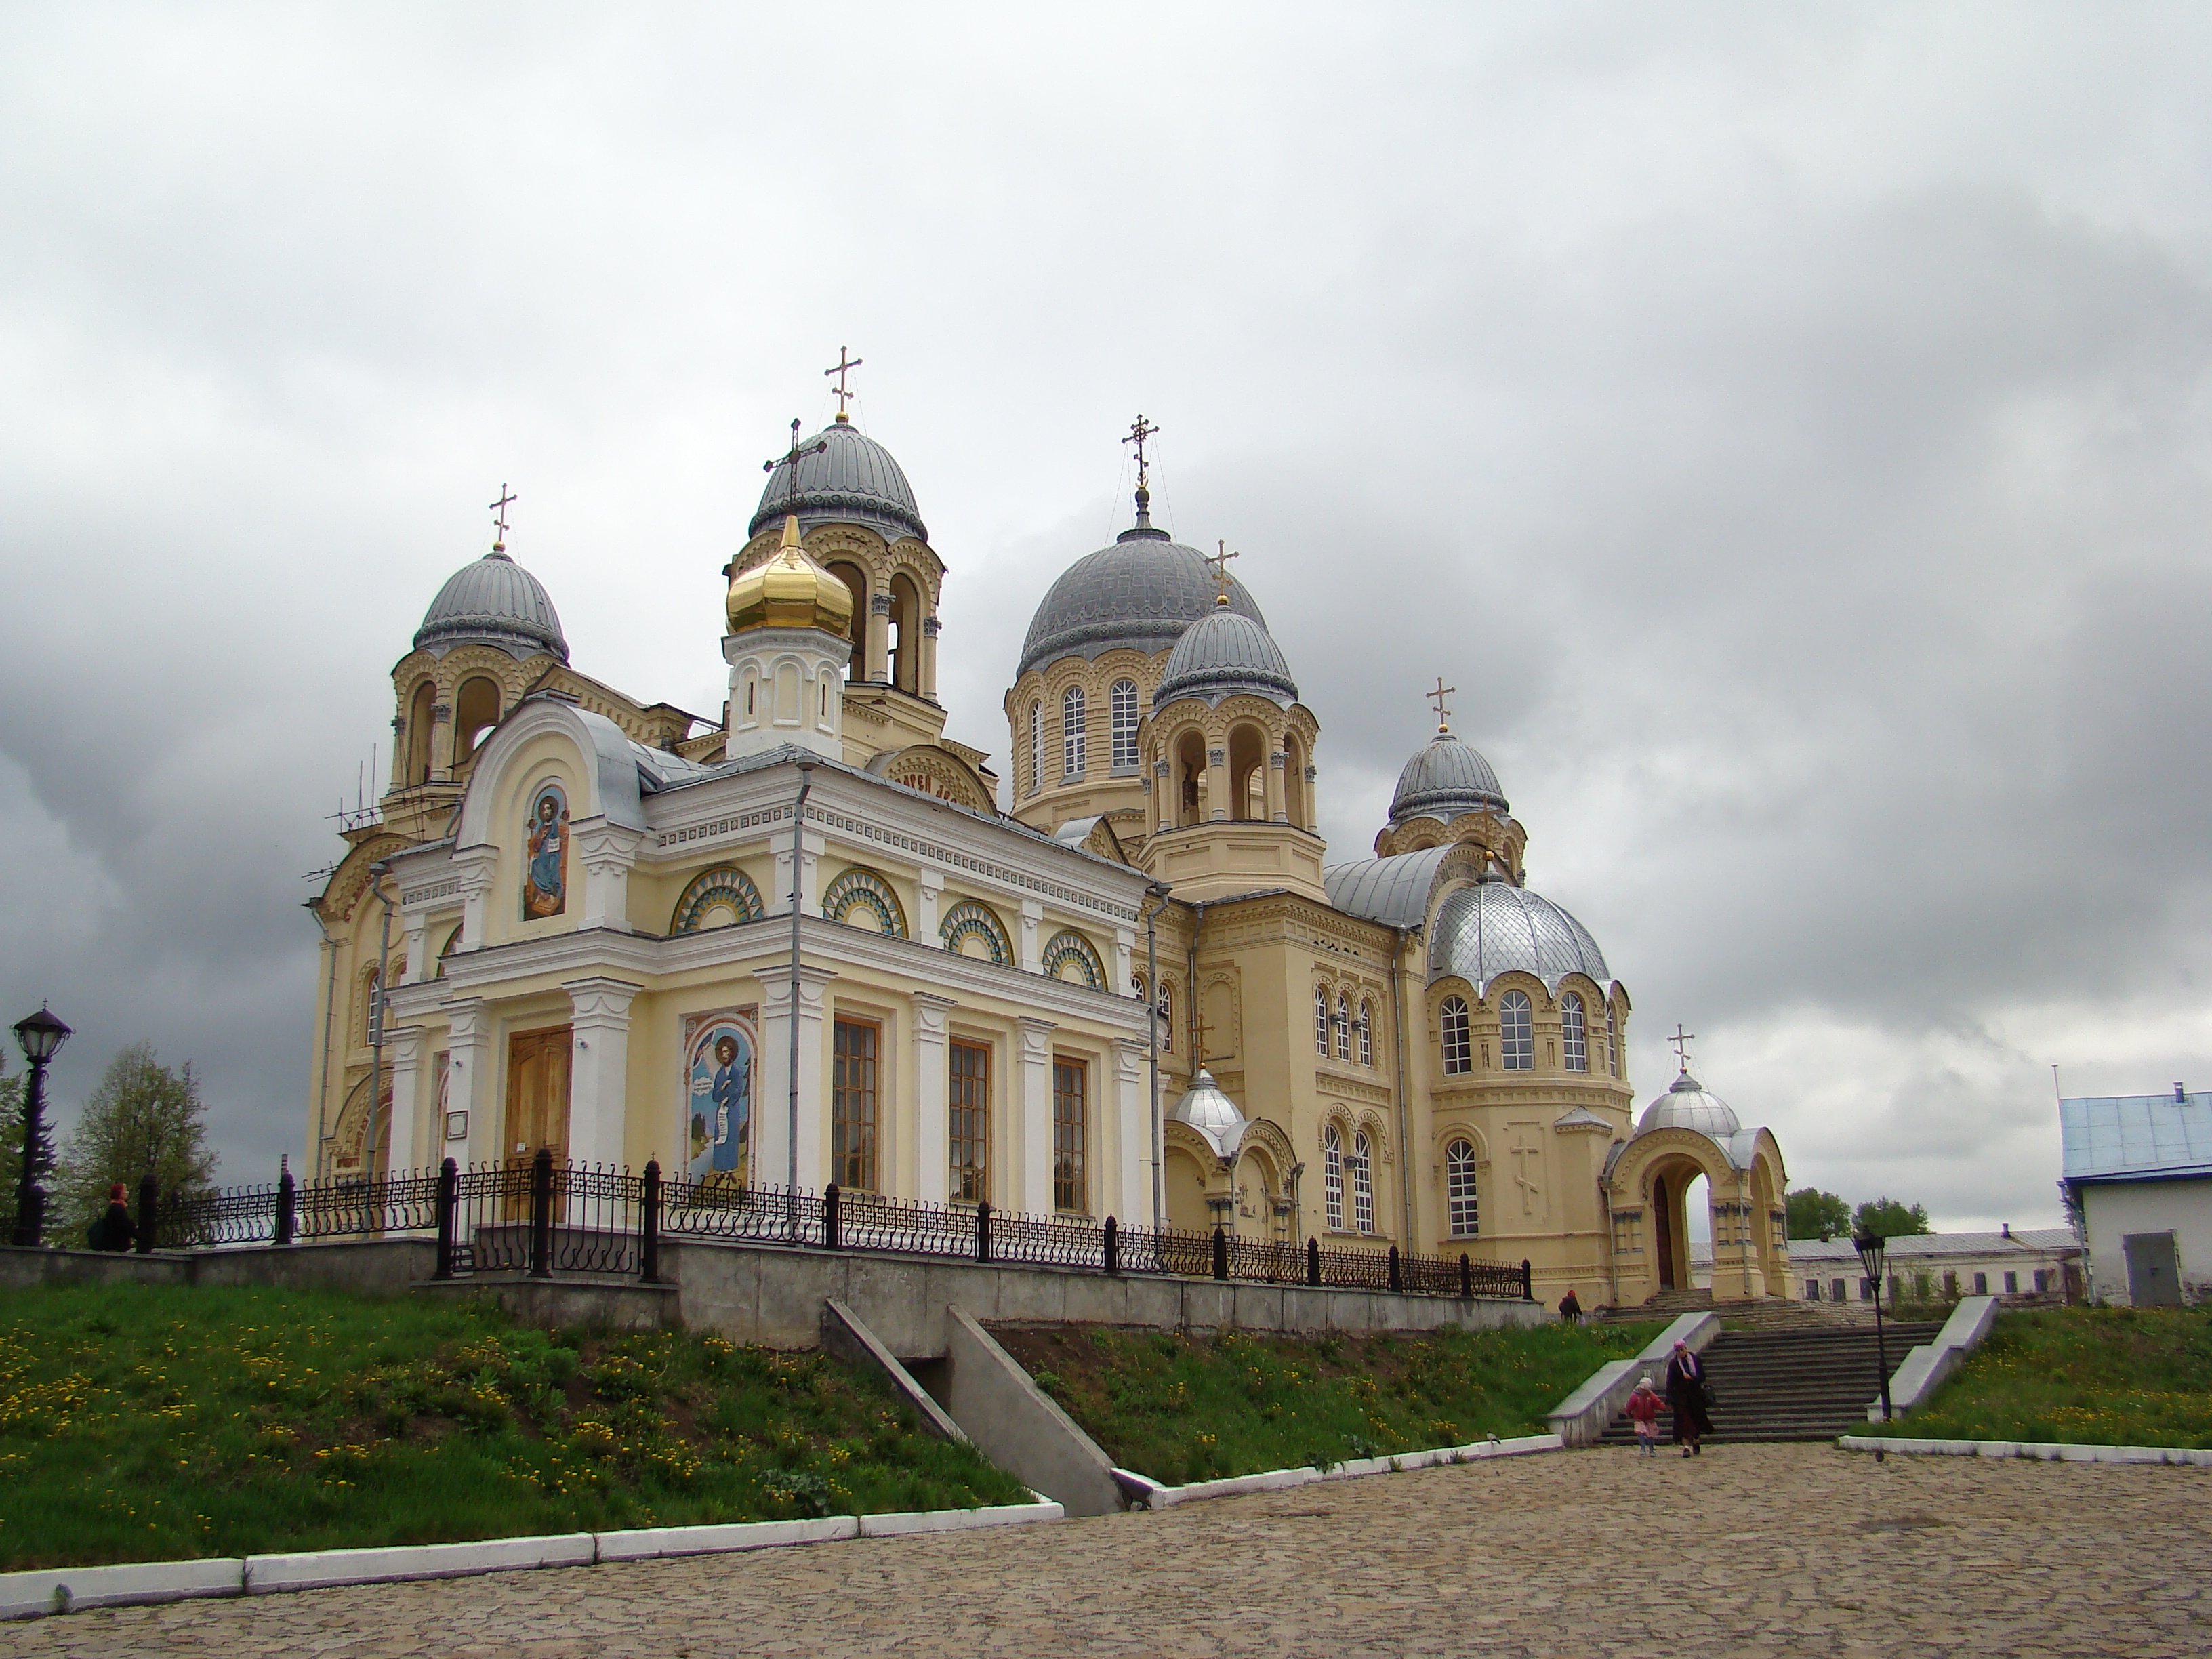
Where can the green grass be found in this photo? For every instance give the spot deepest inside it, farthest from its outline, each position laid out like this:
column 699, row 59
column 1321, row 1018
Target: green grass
column 149, row 1422
column 2119, row 1377
column 1180, row 1408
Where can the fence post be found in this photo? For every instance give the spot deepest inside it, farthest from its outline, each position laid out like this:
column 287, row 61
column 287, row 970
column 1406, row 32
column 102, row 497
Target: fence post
column 449, row 1200
column 1528, row 1282
column 287, row 1199
column 149, row 1200
column 982, row 1232
column 1466, row 1275
column 541, row 1214
column 648, row 1249
column 830, row 1199
column 1313, row 1263
column 1397, row 1275
column 1113, row 1246
column 1220, row 1252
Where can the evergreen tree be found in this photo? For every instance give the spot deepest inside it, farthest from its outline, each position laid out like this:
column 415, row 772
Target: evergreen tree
column 142, row 1116
column 12, row 1090
column 1816, row 1214
column 1892, row 1219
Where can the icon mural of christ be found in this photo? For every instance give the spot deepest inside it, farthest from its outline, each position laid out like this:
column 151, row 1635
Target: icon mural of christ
column 545, row 879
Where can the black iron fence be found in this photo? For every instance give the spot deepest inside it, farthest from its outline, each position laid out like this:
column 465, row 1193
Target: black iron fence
column 541, row 1217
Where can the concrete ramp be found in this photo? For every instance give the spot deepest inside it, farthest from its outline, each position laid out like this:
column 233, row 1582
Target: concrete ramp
column 1015, row 1424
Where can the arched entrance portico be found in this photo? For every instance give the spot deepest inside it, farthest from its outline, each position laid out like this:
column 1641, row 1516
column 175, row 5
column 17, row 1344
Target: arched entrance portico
column 1648, row 1186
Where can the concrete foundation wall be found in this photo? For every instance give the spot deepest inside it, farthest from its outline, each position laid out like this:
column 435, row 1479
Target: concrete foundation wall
column 377, row 1267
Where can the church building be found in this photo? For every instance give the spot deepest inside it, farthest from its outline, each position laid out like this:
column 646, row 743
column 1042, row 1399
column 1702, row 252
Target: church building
column 1137, row 985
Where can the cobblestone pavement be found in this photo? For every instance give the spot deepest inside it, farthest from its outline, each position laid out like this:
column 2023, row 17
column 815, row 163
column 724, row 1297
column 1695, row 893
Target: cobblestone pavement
column 1748, row 1550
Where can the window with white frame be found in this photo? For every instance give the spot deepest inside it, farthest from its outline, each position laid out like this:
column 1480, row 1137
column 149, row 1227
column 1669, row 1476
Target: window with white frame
column 1321, row 1022
column 1037, row 747
column 1517, row 1036
column 1070, row 732
column 1612, row 1042
column 1362, row 1183
column 1459, row 1190
column 1574, row 1033
column 1344, row 1027
column 1121, row 709
column 1458, row 1052
column 1167, row 1017
column 1332, row 1178
column 1366, row 1034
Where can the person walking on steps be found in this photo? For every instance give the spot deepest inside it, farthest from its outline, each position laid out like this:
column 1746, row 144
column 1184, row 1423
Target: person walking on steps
column 1689, row 1400
column 1643, row 1409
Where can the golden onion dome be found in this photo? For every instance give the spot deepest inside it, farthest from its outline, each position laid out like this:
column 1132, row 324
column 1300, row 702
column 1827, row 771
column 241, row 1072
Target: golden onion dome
column 790, row 591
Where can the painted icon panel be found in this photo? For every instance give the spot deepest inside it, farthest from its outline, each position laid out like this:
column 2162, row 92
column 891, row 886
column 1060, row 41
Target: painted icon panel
column 719, row 1050
column 545, row 876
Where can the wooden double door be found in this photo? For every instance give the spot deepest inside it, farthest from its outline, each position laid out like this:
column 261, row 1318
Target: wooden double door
column 538, row 1094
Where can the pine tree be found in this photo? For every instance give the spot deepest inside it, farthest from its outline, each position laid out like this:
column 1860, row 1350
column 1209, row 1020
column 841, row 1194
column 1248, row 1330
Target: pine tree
column 142, row 1116
column 11, row 1138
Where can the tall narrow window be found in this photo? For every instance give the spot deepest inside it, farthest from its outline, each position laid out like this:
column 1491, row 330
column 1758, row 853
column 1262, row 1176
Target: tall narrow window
column 1574, row 1044
column 1122, row 708
column 1332, row 1178
column 1321, row 1022
column 1344, row 1027
column 1459, row 1190
column 1037, row 747
column 1517, row 1037
column 1070, row 1122
column 1167, row 1017
column 1612, row 1042
column 1366, row 1034
column 1459, row 1057
column 852, row 1105
column 1070, row 732
column 1362, row 1183
column 970, row 1101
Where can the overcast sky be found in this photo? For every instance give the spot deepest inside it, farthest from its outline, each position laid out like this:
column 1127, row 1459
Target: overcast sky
column 1788, row 427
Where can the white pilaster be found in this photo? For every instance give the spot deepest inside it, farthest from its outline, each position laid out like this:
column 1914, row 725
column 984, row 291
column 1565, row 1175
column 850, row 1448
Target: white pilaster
column 1031, row 942
column 1125, row 948
column 598, row 1067
column 404, row 1052
column 1131, row 1197
column 929, row 900
column 475, row 870
column 416, row 926
column 609, row 851
column 468, row 1086
column 1033, row 1118
column 772, row 1108
column 811, row 847
column 932, row 1110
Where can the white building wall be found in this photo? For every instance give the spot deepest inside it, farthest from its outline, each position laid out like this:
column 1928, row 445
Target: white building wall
column 2113, row 1209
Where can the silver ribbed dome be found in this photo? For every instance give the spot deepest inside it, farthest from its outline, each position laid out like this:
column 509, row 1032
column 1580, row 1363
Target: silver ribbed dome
column 1444, row 780
column 1496, row 928
column 494, row 601
column 1224, row 655
column 1687, row 1106
column 1141, row 591
column 1212, row 1114
column 852, row 481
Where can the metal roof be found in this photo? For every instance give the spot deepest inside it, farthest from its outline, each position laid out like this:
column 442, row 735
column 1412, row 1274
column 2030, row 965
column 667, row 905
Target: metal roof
column 2129, row 1137
column 1494, row 928
column 1224, row 655
column 1140, row 590
column 853, row 480
column 1687, row 1106
column 1443, row 779
column 1393, row 891
column 492, row 601
column 1928, row 1247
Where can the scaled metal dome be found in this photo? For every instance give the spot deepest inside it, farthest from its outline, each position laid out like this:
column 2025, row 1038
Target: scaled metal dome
column 852, row 480
column 1444, row 780
column 496, row 602
column 1224, row 655
column 1140, row 590
column 1496, row 928
column 1212, row 1112
column 1687, row 1106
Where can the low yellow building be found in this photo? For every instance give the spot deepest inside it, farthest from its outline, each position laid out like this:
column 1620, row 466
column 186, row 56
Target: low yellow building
column 583, row 908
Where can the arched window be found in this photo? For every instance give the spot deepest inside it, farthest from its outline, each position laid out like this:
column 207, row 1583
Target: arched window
column 1122, row 708
column 1167, row 1017
column 1366, row 1034
column 1612, row 1042
column 1362, row 1183
column 1037, row 747
column 1459, row 1190
column 476, row 711
column 1516, row 1038
column 1070, row 732
column 422, row 718
column 1459, row 1054
column 1332, row 1178
column 1344, row 1027
column 1321, row 1022
column 1574, row 1034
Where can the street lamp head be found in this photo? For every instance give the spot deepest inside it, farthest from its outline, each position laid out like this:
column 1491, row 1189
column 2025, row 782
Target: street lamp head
column 41, row 1036
column 1871, row 1247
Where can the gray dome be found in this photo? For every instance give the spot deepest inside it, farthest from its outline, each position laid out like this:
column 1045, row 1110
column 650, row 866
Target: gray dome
column 494, row 601
column 852, row 481
column 1494, row 928
column 1444, row 780
column 1212, row 1114
column 1225, row 654
column 1687, row 1106
column 1141, row 591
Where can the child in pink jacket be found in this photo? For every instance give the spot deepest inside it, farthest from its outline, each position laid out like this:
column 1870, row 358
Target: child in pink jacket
column 1643, row 1409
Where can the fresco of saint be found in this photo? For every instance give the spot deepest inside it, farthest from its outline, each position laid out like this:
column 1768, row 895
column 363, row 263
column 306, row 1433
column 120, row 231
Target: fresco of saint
column 719, row 1101
column 545, row 879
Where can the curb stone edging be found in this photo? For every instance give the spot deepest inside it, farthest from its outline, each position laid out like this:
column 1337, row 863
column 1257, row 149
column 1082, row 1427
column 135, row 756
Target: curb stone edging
column 1146, row 1493
column 2033, row 1452
column 62, row 1589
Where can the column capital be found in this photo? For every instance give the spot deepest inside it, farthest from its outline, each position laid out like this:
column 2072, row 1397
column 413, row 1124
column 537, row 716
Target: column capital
column 475, row 869
column 1036, row 1034
column 931, row 1012
column 602, row 844
column 468, row 1018
column 601, row 1002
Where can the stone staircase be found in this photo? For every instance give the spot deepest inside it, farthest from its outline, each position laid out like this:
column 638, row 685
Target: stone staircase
column 1801, row 1381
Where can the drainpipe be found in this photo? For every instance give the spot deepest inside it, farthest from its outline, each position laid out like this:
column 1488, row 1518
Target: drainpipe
column 1398, row 1043
column 797, row 859
column 1157, row 892
column 376, row 1027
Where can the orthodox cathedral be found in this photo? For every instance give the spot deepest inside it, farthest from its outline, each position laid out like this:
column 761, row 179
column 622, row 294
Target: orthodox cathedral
column 812, row 939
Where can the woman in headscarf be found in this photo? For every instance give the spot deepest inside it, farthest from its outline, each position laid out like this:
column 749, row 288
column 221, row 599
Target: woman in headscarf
column 1688, row 1401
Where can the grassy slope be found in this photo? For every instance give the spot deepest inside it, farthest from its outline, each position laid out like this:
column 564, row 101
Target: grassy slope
column 1180, row 1408
column 141, row 1422
column 2103, row 1375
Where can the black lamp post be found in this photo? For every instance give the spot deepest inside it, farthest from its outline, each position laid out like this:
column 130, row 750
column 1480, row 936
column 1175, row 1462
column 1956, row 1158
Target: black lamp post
column 41, row 1036
column 1871, row 1247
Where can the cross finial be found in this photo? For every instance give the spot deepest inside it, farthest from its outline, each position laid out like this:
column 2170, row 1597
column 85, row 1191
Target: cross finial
column 841, row 393
column 1198, row 1034
column 1220, row 563
column 1139, row 433
column 1437, row 696
column 791, row 457
column 507, row 499
column 1680, row 1042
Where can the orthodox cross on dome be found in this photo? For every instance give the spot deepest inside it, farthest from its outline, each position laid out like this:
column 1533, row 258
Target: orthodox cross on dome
column 1138, row 434
column 842, row 394
column 1198, row 1034
column 1219, row 562
column 1680, row 1042
column 1437, row 696
column 792, row 457
column 507, row 499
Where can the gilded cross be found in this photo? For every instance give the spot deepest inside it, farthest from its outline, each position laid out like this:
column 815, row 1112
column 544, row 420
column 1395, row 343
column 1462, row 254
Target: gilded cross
column 1138, row 434
column 1437, row 696
column 791, row 457
column 1680, row 1042
column 507, row 499
column 842, row 365
column 1198, row 1032
column 1220, row 563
